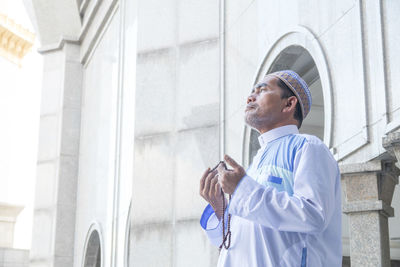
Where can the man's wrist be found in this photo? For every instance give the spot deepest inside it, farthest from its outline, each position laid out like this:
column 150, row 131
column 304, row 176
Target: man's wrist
column 218, row 211
column 238, row 184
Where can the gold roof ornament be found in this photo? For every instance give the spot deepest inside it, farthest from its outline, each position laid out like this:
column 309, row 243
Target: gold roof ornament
column 15, row 40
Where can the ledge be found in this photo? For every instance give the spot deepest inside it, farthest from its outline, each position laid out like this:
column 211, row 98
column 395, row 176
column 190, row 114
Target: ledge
column 371, row 166
column 361, row 206
column 59, row 45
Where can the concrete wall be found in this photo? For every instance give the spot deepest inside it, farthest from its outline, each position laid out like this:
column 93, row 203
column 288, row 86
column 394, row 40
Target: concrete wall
column 176, row 130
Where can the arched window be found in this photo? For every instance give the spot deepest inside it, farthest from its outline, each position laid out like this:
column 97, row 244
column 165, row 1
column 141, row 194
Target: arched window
column 298, row 59
column 92, row 256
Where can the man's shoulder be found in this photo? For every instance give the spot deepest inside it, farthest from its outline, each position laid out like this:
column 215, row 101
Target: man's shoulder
column 315, row 143
column 301, row 139
column 310, row 139
column 297, row 142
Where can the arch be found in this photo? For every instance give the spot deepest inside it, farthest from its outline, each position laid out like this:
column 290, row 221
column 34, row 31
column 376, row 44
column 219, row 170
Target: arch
column 93, row 249
column 302, row 42
column 128, row 236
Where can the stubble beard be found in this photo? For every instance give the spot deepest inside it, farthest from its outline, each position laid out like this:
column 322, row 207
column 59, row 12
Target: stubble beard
column 252, row 120
column 258, row 119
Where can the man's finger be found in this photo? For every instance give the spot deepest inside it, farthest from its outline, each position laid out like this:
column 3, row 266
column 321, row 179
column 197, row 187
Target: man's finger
column 206, row 187
column 208, row 181
column 214, row 181
column 232, row 162
column 217, row 189
column 203, row 178
column 221, row 168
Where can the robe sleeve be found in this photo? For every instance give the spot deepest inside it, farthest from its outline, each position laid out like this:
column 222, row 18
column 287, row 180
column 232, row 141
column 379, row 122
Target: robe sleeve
column 312, row 204
column 212, row 226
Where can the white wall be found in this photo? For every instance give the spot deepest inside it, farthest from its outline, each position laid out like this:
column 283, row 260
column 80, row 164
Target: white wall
column 97, row 142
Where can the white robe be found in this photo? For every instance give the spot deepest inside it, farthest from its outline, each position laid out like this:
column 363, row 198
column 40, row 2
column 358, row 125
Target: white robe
column 286, row 211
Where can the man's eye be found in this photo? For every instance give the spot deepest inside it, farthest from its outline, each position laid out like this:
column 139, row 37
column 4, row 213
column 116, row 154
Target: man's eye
column 263, row 89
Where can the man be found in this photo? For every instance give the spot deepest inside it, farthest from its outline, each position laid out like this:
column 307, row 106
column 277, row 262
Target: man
column 286, row 207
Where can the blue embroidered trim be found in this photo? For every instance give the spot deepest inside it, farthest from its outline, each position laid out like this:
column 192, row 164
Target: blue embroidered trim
column 275, row 179
column 304, row 257
column 208, row 211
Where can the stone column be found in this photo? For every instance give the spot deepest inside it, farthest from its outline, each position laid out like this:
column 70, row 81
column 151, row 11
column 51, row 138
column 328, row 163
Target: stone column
column 368, row 191
column 58, row 155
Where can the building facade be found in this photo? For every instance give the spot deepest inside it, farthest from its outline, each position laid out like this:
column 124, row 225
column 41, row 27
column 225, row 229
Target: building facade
column 139, row 97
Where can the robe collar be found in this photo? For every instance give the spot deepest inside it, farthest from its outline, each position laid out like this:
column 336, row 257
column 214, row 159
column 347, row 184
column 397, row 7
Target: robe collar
column 275, row 133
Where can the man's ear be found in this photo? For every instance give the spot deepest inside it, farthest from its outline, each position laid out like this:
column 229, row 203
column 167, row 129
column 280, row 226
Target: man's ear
column 291, row 103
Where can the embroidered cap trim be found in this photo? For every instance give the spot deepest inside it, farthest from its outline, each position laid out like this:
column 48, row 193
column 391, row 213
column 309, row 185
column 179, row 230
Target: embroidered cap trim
column 299, row 88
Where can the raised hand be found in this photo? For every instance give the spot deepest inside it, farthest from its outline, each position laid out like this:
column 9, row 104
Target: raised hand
column 229, row 179
column 210, row 190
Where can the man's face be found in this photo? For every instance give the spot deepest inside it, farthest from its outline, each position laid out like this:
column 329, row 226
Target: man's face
column 264, row 105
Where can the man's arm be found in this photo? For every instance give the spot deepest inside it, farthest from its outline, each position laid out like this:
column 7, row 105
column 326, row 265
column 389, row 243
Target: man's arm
column 211, row 217
column 308, row 210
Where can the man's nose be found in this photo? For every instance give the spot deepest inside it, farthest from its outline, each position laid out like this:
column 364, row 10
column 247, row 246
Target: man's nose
column 251, row 98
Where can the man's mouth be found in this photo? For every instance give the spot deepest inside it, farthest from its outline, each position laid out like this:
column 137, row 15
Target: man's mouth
column 250, row 106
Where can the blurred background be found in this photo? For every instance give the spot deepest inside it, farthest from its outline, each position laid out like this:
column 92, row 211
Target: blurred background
column 112, row 109
column 21, row 77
